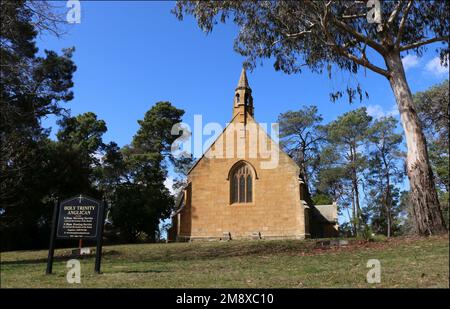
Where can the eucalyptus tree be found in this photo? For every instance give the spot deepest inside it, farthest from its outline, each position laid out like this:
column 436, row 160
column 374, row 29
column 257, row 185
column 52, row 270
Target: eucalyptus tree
column 349, row 35
column 384, row 168
column 348, row 134
column 433, row 108
column 301, row 135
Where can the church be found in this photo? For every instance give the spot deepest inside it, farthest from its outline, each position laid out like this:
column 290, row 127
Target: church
column 246, row 187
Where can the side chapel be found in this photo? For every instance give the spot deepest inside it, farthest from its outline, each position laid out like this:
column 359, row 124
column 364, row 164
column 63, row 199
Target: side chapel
column 245, row 186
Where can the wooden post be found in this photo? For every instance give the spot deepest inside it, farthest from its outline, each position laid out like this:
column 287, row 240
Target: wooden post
column 51, row 249
column 98, row 253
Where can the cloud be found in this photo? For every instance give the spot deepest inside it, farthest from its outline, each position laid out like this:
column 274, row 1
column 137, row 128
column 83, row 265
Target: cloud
column 377, row 111
column 169, row 184
column 394, row 111
column 434, row 67
column 410, row 61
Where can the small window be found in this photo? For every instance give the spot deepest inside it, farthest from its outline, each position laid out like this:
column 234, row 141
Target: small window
column 241, row 184
column 237, row 97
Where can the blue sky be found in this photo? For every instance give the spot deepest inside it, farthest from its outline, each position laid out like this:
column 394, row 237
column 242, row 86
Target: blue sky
column 132, row 54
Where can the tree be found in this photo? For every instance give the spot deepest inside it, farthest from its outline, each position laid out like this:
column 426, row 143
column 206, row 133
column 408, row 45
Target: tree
column 433, row 109
column 348, row 133
column 334, row 181
column 32, row 87
column 77, row 154
column 112, row 170
column 83, row 132
column 137, row 210
column 344, row 34
column 142, row 199
column 384, row 172
column 382, row 220
column 301, row 135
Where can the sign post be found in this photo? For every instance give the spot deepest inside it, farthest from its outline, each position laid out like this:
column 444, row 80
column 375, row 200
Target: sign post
column 98, row 252
column 51, row 249
column 78, row 218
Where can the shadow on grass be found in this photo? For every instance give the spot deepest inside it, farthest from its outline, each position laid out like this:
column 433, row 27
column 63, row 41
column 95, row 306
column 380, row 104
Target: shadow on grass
column 142, row 271
column 59, row 258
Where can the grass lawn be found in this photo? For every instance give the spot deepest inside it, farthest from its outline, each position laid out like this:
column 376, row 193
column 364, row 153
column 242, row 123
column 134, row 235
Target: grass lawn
column 405, row 262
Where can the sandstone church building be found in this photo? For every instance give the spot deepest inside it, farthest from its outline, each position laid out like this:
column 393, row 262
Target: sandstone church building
column 245, row 186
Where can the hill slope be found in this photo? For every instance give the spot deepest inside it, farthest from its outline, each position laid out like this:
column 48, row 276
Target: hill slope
column 405, row 262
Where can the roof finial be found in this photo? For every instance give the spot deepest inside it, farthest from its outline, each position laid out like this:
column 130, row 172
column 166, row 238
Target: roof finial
column 243, row 82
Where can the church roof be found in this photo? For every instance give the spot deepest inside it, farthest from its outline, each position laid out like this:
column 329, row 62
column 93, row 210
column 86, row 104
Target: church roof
column 327, row 213
column 243, row 82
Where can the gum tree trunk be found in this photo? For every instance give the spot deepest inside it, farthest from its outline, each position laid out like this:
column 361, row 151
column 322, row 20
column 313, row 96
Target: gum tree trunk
column 428, row 215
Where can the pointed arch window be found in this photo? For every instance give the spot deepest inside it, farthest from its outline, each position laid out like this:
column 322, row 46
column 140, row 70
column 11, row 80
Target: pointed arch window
column 241, row 184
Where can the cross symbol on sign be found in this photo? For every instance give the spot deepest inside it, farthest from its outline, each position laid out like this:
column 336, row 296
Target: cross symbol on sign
column 80, row 198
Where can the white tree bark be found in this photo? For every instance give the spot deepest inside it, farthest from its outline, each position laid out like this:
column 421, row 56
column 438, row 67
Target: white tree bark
column 429, row 219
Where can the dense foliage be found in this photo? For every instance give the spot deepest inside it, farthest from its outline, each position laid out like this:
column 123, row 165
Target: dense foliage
column 35, row 170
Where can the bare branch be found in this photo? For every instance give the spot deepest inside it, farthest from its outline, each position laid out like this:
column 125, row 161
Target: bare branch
column 421, row 43
column 402, row 24
column 361, row 61
column 355, row 16
column 343, row 51
column 46, row 17
column 298, row 34
column 294, row 35
column 359, row 36
column 395, row 12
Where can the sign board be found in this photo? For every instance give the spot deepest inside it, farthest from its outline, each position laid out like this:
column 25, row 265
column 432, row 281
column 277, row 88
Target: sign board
column 78, row 218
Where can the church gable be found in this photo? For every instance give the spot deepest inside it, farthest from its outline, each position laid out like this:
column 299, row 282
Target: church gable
column 244, row 138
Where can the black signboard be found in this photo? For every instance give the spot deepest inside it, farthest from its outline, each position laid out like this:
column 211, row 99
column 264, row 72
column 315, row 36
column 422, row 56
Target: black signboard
column 78, row 217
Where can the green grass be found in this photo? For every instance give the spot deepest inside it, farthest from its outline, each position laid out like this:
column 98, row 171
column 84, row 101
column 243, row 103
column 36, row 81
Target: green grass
column 405, row 262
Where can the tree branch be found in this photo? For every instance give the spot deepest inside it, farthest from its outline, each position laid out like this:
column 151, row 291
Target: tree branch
column 361, row 61
column 421, row 43
column 402, row 24
column 354, row 16
column 359, row 36
column 294, row 35
column 395, row 13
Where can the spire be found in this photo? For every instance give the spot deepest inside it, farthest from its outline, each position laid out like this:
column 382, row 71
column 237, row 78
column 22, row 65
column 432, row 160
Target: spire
column 243, row 82
column 243, row 101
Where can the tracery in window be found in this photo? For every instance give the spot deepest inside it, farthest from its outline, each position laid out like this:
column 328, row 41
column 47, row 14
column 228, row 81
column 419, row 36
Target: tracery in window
column 241, row 184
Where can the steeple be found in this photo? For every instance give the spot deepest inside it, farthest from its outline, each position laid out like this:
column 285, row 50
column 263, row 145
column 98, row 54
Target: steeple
column 243, row 82
column 243, row 100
